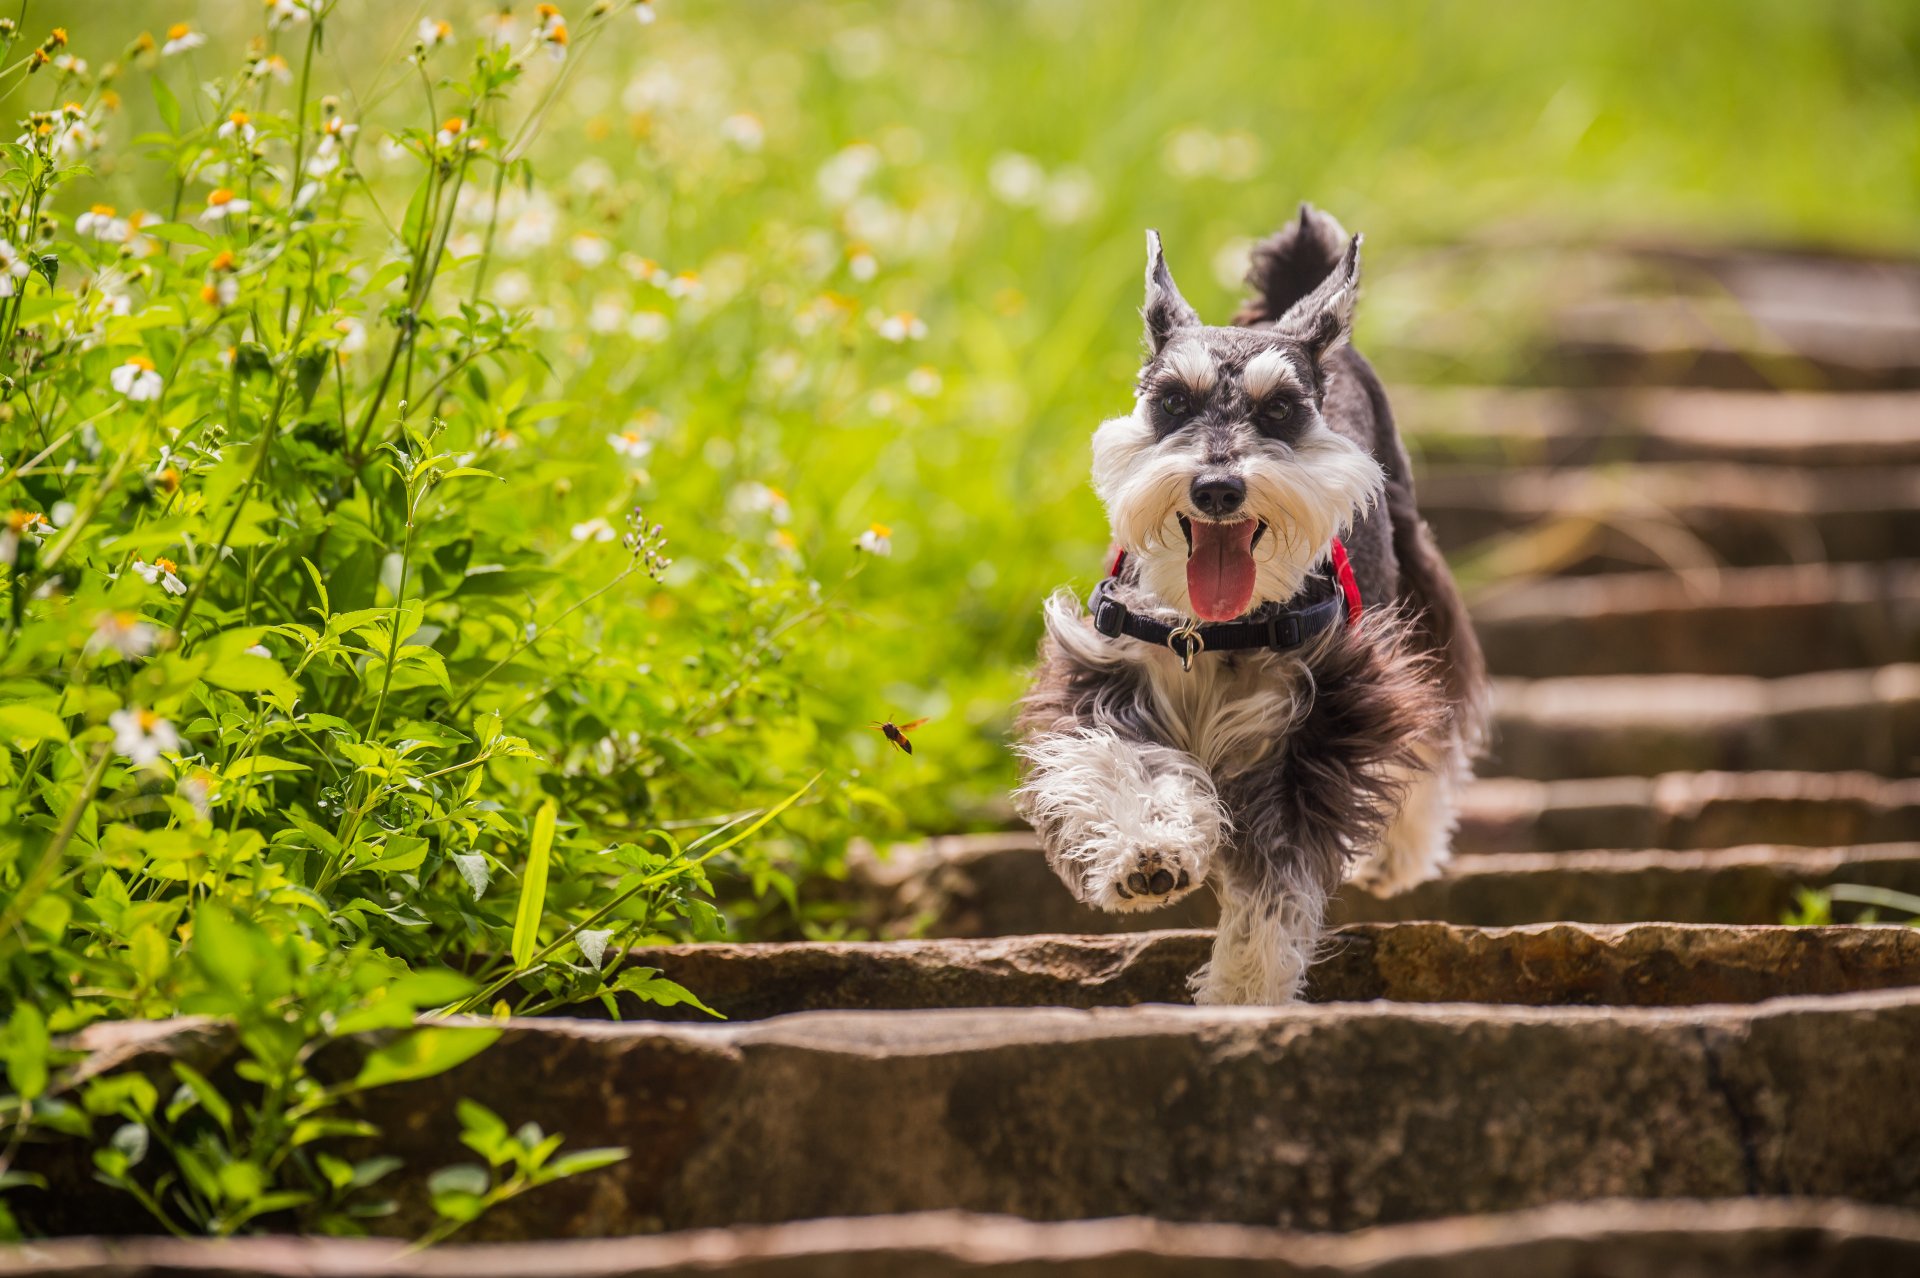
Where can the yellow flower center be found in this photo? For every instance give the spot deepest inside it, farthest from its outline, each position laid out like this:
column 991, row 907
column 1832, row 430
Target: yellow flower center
column 142, row 363
column 880, row 530
column 220, row 198
column 20, row 520
column 102, row 210
column 239, row 118
column 147, row 718
column 179, row 31
column 557, row 34
column 224, row 262
column 170, row 480
column 453, row 125
column 166, row 566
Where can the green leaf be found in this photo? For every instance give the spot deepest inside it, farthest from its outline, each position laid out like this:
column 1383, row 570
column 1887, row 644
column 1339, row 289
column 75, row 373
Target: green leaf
column 422, row 1053
column 209, row 1097
column 647, row 984
column 585, row 1160
column 31, row 723
column 168, row 104
column 28, row 1049
column 533, row 886
column 256, row 764
column 402, row 852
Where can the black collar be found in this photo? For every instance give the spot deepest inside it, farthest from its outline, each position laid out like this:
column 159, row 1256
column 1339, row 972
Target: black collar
column 1281, row 629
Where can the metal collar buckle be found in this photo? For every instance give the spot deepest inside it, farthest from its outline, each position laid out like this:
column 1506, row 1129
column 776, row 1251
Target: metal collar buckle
column 1187, row 643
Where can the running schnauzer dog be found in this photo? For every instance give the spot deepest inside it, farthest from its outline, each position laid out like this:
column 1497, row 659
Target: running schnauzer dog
column 1277, row 687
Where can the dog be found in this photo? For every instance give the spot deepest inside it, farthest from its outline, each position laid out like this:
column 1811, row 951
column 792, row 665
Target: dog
column 1277, row 687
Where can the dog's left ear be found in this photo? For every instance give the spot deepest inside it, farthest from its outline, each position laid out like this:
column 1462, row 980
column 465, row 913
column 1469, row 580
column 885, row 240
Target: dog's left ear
column 1322, row 321
column 1165, row 310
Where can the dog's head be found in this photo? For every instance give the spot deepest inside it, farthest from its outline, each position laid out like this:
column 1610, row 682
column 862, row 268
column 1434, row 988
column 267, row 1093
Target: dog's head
column 1225, row 483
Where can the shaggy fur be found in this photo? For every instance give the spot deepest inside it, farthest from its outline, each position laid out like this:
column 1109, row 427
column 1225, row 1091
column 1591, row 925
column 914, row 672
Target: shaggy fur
column 1269, row 775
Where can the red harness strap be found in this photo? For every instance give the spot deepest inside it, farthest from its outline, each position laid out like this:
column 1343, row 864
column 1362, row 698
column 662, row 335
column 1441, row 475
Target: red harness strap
column 1342, row 573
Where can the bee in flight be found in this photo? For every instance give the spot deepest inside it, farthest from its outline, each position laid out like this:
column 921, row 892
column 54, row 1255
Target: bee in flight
column 897, row 732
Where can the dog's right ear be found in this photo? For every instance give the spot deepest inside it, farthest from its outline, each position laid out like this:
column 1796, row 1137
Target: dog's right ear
column 1165, row 312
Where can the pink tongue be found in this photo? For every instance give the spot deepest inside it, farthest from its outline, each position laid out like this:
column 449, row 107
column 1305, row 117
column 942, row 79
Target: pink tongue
column 1220, row 569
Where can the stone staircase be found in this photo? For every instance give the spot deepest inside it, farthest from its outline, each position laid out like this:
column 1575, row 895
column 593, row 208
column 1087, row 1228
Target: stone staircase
column 1590, row 1048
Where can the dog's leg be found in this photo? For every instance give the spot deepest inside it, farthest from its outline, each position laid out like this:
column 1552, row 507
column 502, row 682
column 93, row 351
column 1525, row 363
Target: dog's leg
column 1270, row 923
column 1127, row 825
column 1419, row 840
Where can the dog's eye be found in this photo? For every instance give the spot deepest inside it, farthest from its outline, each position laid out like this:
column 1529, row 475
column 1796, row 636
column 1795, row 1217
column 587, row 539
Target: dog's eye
column 1279, row 411
column 1175, row 404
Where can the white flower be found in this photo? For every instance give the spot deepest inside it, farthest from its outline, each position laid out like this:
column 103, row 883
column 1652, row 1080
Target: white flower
column 449, row 132
column 643, row 10
column 99, row 223
column 273, row 67
column 124, row 633
column 924, row 382
column 136, row 379
column 765, row 499
column 180, row 38
column 511, row 288
column 589, row 250
column 260, row 650
column 222, row 204
column 13, row 268
column 67, row 64
column 685, row 284
column 901, row 326
column 609, row 314
column 353, row 336
column 842, row 176
column 876, row 540
column 434, row 32
column 142, row 735
column 552, row 31
column 593, row 530
column 744, row 130
column 631, row 444
column 161, row 572
column 649, row 326
column 238, row 124
column 498, row 27
column 861, row 263
column 282, row 12
column 1016, row 179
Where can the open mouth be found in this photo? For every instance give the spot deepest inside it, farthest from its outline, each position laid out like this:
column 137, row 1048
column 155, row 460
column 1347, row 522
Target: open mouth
column 1220, row 567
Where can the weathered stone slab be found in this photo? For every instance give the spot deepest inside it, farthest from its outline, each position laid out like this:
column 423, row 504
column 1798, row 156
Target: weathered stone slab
column 1728, row 885
column 1449, row 425
column 1687, row 810
column 999, row 885
column 1741, row 621
column 1648, row 964
column 1627, row 725
column 1321, row 1117
column 1656, row 515
column 1756, row 1238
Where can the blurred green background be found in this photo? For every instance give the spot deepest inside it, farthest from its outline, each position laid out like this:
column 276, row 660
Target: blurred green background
column 885, row 259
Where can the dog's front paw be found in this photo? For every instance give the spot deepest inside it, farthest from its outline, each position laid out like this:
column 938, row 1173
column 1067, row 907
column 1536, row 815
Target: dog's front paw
column 1148, row 880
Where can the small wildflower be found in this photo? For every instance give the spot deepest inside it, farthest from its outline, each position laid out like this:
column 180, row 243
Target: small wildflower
column 434, row 32
column 222, row 204
column 353, row 336
column 498, row 27
column 552, row 31
column 785, row 544
column 593, row 530
column 271, row 67
column 136, row 379
column 162, row 572
column 685, row 284
column 767, row 499
column 260, row 650
column 99, row 223
column 924, row 382
column 180, row 38
column 643, row 10
column 282, row 12
column 238, row 125
column 861, row 264
column 631, row 444
column 504, row 439
column 13, row 268
column 589, row 250
column 744, row 130
column 876, row 540
column 124, row 633
column 450, row 130
column 167, row 478
column 901, row 326
column 142, row 736
column 67, row 64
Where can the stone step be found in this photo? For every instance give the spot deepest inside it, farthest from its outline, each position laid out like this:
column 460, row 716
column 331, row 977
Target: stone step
column 1771, row 621
column 1756, row 1238
column 1465, row 425
column 1757, row 319
column 1682, row 515
column 1687, row 810
column 999, row 885
column 1643, row 964
column 1318, row 1117
column 1625, row 725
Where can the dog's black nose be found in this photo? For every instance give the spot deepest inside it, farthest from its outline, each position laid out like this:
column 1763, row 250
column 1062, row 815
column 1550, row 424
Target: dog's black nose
column 1219, row 497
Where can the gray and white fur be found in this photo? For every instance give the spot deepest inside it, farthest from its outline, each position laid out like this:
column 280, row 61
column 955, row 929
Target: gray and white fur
column 1271, row 776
